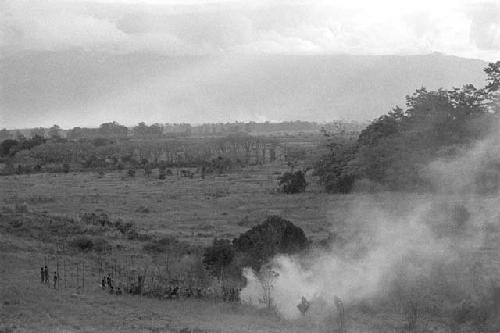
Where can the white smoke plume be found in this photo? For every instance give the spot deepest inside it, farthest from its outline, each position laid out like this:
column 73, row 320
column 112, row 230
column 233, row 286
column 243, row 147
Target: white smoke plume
column 387, row 231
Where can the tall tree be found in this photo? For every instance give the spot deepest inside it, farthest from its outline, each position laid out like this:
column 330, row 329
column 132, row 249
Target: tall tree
column 492, row 89
column 54, row 132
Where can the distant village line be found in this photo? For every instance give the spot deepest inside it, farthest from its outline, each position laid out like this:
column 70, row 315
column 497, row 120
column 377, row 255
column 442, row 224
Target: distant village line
column 114, row 130
column 114, row 146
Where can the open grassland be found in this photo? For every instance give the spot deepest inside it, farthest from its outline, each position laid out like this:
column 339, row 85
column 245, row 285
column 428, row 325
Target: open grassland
column 191, row 209
column 197, row 210
column 29, row 306
column 26, row 305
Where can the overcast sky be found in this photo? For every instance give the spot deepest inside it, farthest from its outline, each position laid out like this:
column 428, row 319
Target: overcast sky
column 463, row 28
column 459, row 27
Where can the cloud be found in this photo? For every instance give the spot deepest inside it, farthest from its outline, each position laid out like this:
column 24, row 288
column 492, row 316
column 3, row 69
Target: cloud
column 200, row 27
column 485, row 27
column 54, row 26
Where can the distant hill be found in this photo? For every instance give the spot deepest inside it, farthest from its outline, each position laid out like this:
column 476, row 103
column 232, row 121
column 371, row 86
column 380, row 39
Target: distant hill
column 85, row 88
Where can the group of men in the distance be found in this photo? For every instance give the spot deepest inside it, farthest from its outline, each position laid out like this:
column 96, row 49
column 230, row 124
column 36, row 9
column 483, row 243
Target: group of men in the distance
column 107, row 283
column 44, row 276
column 174, row 290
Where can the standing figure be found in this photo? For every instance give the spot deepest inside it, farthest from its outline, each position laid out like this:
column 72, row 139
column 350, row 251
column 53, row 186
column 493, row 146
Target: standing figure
column 303, row 306
column 42, row 275
column 46, row 275
column 340, row 310
column 55, row 280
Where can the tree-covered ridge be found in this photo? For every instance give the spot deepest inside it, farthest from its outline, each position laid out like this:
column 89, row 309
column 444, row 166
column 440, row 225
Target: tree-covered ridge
column 394, row 148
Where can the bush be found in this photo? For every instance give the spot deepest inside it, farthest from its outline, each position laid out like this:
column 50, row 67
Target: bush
column 293, row 182
column 123, row 227
column 143, row 210
column 219, row 255
column 275, row 235
column 132, row 234
column 21, row 208
column 16, row 223
column 167, row 244
column 101, row 245
column 82, row 243
column 131, row 172
column 344, row 184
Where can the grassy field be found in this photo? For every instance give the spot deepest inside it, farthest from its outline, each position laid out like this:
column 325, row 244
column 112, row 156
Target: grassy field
column 193, row 209
column 28, row 306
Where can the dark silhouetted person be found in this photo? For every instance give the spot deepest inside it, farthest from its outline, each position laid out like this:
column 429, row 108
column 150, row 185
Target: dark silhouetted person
column 303, row 306
column 103, row 283
column 55, row 280
column 140, row 282
column 46, row 274
column 340, row 310
column 42, row 275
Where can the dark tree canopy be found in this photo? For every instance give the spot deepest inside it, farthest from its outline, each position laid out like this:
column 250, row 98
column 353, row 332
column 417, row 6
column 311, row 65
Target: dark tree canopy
column 6, row 146
column 218, row 256
column 254, row 247
column 393, row 149
column 293, row 182
column 275, row 235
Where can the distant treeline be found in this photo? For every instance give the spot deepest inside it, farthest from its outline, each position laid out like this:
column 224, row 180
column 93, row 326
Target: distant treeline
column 114, row 146
column 391, row 152
column 62, row 155
column 114, row 130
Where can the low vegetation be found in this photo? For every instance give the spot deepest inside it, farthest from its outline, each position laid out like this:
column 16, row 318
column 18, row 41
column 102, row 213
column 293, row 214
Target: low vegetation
column 293, row 182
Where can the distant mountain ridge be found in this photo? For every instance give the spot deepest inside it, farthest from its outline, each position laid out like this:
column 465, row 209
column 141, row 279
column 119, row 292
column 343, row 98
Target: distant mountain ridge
column 82, row 88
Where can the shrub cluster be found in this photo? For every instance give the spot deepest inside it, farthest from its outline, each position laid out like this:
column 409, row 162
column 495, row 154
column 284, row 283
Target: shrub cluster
column 255, row 247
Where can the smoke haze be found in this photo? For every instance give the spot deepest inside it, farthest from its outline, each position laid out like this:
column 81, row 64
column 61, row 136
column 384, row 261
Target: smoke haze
column 393, row 235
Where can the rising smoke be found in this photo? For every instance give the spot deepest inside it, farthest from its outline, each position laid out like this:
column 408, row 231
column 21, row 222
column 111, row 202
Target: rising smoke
column 390, row 235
